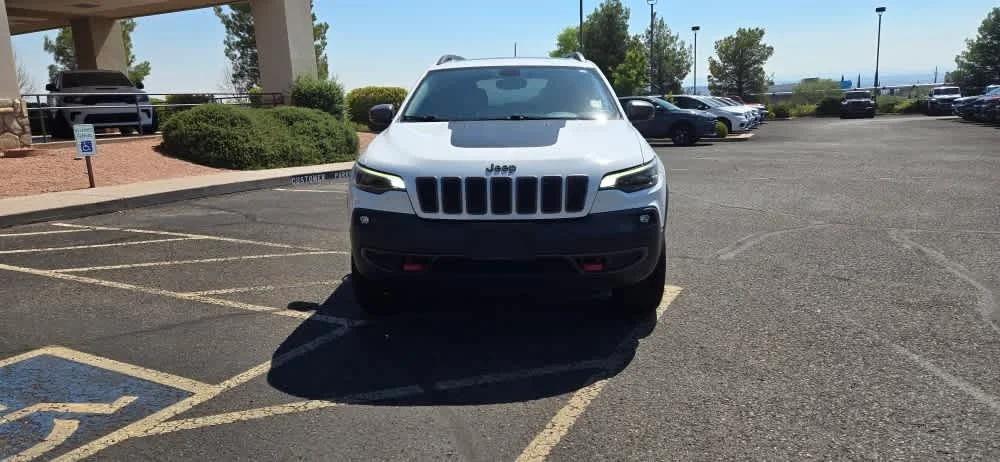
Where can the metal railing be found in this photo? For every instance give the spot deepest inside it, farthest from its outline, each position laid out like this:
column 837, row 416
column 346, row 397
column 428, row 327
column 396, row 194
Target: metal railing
column 47, row 114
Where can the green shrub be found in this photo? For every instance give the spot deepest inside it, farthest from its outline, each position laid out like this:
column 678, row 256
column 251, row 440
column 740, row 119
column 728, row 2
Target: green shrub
column 887, row 104
column 360, row 100
column 325, row 95
column 165, row 113
column 720, row 130
column 803, row 110
column 256, row 97
column 907, row 106
column 230, row 136
column 782, row 111
column 829, row 106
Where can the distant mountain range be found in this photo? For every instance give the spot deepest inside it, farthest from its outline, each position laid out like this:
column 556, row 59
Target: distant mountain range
column 889, row 80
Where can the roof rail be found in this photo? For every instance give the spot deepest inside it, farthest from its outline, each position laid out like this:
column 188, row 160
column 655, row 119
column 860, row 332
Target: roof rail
column 576, row 55
column 449, row 58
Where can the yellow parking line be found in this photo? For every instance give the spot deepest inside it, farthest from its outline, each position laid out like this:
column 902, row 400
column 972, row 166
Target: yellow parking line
column 61, row 431
column 96, row 246
column 202, row 260
column 543, row 444
column 140, row 427
column 42, row 233
column 192, row 386
column 199, row 236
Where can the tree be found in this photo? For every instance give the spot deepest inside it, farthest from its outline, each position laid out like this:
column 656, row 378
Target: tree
column 137, row 72
column 632, row 75
column 671, row 59
column 739, row 68
column 25, row 82
column 605, row 35
column 241, row 45
column 812, row 91
column 567, row 42
column 979, row 65
column 62, row 52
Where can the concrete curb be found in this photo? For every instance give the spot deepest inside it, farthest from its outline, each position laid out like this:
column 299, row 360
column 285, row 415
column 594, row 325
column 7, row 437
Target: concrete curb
column 100, row 202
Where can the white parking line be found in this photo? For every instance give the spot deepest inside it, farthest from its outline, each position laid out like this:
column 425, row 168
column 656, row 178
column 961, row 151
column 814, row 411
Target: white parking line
column 311, row 190
column 543, row 444
column 180, row 295
column 42, row 233
column 191, row 262
column 199, row 236
column 236, row 290
column 97, row 246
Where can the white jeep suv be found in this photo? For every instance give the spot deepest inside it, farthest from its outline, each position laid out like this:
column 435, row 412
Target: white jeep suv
column 104, row 99
column 507, row 175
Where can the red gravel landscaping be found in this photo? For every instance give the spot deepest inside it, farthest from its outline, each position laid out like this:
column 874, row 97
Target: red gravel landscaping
column 44, row 171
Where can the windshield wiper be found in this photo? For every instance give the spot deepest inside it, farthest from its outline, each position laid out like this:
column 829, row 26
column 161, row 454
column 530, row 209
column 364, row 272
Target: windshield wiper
column 422, row 118
column 529, row 117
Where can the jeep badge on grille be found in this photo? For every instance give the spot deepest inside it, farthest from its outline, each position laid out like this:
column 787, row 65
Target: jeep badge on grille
column 501, row 169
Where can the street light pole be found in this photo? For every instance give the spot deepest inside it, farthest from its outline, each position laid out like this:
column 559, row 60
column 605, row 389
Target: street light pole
column 878, row 46
column 694, row 88
column 652, row 17
column 580, row 30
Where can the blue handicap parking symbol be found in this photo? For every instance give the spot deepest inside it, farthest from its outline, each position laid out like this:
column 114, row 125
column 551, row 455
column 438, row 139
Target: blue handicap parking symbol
column 55, row 401
column 86, row 146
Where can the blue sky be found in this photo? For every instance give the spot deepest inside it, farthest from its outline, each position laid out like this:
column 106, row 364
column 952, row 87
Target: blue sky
column 390, row 42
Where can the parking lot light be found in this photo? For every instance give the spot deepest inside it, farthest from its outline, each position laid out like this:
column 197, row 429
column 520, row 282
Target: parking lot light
column 652, row 17
column 694, row 88
column 878, row 46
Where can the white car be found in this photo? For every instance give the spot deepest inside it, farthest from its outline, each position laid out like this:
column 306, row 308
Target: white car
column 92, row 97
column 509, row 175
column 735, row 119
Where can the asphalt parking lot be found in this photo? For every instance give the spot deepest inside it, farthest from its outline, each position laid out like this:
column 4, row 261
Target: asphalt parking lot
column 832, row 294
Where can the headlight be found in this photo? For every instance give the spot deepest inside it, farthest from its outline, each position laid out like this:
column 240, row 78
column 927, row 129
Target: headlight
column 634, row 179
column 376, row 182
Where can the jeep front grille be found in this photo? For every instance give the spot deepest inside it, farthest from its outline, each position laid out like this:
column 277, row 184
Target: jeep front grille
column 502, row 195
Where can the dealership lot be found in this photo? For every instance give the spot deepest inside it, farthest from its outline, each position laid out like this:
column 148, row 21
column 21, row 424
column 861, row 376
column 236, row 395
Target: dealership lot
column 832, row 293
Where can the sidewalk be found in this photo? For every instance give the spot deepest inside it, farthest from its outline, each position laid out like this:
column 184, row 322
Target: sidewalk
column 83, row 202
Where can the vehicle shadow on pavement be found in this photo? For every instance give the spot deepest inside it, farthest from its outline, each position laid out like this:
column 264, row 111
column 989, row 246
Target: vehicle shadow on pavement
column 463, row 351
column 670, row 144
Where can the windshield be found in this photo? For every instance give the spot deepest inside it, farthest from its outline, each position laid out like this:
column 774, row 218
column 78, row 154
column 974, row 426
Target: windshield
column 95, row 79
column 994, row 92
column 711, row 102
column 664, row 104
column 858, row 95
column 947, row 91
column 511, row 93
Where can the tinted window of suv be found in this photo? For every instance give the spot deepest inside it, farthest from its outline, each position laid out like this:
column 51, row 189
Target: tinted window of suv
column 499, row 93
column 95, row 79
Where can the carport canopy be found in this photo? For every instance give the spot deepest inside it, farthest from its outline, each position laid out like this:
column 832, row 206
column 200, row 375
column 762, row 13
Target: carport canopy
column 283, row 32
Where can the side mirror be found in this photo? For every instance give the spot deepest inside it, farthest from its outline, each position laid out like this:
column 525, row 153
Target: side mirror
column 51, row 87
column 381, row 116
column 139, row 85
column 640, row 110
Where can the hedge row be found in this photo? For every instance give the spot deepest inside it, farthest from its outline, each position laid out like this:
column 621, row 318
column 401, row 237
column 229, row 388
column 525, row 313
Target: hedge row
column 229, row 136
column 360, row 100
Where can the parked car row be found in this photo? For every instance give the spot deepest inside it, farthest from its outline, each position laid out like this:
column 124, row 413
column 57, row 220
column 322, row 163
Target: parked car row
column 982, row 108
column 686, row 119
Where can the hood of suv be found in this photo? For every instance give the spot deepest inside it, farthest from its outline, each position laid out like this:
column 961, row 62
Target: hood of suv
column 535, row 147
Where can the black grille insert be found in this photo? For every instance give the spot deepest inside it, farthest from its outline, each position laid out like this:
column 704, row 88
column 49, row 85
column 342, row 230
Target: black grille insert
column 427, row 194
column 475, row 196
column 501, row 195
column 551, row 194
column 576, row 192
column 527, row 195
column 451, row 195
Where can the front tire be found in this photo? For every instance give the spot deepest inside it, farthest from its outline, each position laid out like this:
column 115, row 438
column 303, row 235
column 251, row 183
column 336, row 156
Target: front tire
column 682, row 135
column 373, row 298
column 644, row 296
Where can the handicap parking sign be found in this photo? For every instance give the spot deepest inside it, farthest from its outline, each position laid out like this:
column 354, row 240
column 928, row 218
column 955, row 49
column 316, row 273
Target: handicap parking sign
column 86, row 140
column 54, row 400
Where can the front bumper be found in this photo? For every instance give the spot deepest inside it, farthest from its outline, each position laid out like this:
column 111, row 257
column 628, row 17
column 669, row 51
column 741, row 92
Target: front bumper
column 99, row 116
column 404, row 250
column 857, row 110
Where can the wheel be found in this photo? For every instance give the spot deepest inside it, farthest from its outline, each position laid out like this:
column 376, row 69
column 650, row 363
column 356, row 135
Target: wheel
column 644, row 296
column 372, row 297
column 682, row 135
column 126, row 131
column 728, row 124
column 61, row 128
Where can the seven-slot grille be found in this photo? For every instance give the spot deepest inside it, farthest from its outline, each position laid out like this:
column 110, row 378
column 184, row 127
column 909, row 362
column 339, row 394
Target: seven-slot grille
column 501, row 195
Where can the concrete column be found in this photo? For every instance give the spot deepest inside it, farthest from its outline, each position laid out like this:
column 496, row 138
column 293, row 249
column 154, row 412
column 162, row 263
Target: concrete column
column 284, row 42
column 14, row 129
column 98, row 44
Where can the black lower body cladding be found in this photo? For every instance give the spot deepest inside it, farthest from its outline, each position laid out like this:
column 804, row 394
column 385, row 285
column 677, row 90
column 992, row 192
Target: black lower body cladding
column 600, row 251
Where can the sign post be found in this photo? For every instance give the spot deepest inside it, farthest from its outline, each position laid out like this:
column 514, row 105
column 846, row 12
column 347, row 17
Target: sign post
column 86, row 147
